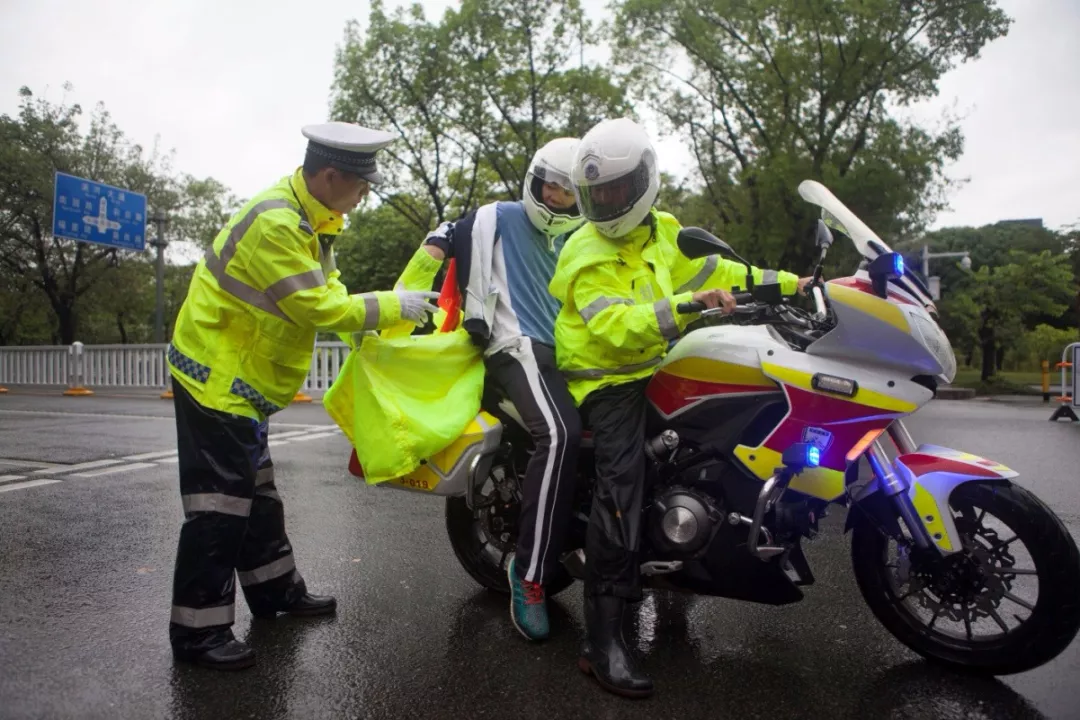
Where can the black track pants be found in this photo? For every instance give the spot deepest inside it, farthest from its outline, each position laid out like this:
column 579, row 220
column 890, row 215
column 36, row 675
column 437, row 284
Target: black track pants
column 234, row 526
column 616, row 415
column 528, row 376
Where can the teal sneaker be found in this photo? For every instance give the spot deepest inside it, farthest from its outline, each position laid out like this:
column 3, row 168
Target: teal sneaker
column 527, row 607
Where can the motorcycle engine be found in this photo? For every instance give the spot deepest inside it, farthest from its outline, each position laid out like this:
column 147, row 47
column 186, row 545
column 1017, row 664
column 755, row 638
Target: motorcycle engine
column 683, row 521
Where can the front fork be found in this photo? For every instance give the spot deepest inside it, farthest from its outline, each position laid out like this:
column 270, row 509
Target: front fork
column 896, row 487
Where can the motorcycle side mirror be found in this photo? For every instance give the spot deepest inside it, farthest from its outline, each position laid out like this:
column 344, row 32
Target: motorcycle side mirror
column 695, row 242
column 824, row 236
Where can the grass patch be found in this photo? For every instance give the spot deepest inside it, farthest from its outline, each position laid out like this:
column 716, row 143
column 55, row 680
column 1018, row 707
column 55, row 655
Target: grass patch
column 1003, row 383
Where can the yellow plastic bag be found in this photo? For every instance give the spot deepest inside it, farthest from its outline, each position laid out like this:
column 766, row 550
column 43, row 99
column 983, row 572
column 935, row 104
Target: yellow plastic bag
column 403, row 398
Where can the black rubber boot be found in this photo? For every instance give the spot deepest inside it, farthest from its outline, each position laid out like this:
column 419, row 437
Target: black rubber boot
column 604, row 654
column 307, row 606
column 233, row 655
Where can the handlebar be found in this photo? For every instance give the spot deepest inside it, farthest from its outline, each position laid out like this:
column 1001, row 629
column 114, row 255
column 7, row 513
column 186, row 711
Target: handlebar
column 819, row 304
column 696, row 307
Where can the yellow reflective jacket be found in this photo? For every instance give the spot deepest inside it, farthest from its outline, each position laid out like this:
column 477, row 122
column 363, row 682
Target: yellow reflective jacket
column 244, row 336
column 618, row 298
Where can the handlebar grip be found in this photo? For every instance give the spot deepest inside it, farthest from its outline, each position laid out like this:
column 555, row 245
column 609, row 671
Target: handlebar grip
column 743, row 298
column 689, row 307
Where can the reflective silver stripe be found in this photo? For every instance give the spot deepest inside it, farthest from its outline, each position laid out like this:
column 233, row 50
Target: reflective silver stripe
column 665, row 318
column 272, row 494
column 594, row 308
column 203, row 617
column 239, row 230
column 603, row 372
column 244, row 293
column 264, row 476
column 216, row 502
column 269, row 571
column 371, row 311
column 286, row 286
column 769, row 276
column 216, row 265
column 703, row 274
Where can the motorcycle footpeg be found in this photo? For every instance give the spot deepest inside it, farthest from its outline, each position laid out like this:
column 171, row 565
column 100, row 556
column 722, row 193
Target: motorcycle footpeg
column 661, row 567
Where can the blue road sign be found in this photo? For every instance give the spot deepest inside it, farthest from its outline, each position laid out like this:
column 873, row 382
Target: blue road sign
column 92, row 212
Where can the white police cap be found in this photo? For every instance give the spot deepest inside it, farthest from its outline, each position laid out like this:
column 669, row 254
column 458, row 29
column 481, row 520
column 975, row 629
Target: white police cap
column 348, row 147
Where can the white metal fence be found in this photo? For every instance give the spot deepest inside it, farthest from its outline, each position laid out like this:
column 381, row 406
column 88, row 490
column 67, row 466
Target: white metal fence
column 128, row 366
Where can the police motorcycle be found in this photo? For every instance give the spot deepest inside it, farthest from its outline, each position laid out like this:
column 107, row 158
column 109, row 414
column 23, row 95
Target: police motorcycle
column 760, row 424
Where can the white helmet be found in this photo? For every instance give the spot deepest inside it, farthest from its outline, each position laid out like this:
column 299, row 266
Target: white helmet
column 615, row 176
column 551, row 164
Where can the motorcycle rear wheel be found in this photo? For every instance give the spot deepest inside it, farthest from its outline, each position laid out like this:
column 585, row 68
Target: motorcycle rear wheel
column 484, row 557
column 974, row 588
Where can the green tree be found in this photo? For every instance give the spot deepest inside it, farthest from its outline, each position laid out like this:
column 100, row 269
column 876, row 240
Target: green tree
column 1010, row 296
column 770, row 92
column 472, row 96
column 523, row 80
column 374, row 249
column 397, row 75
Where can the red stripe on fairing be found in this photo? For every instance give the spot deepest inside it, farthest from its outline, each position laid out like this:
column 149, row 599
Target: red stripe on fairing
column 922, row 464
column 847, row 421
column 866, row 287
column 670, row 393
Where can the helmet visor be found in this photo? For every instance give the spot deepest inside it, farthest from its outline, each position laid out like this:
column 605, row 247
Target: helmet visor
column 536, row 189
column 612, row 199
column 548, row 174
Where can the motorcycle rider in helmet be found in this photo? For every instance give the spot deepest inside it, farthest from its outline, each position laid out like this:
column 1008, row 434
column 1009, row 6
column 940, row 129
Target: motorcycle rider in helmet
column 505, row 255
column 619, row 279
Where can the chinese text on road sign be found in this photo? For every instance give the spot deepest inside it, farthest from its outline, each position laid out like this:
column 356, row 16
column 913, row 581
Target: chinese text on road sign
column 92, row 212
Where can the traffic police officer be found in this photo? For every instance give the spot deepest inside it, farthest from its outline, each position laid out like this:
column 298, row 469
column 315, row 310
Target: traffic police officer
column 240, row 351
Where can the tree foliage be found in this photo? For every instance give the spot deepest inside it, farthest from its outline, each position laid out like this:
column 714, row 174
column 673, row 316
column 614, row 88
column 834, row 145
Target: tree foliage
column 770, row 92
column 70, row 276
column 472, row 97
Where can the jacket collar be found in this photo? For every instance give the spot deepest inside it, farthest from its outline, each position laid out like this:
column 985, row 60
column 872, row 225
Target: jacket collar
column 322, row 219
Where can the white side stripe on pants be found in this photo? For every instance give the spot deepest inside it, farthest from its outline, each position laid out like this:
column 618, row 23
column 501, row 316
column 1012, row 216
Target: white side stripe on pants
column 562, row 469
column 525, row 357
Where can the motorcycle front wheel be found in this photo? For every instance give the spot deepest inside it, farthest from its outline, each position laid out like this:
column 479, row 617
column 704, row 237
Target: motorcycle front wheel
column 1006, row 603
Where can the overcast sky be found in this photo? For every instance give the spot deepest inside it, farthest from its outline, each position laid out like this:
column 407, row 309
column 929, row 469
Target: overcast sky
column 229, row 83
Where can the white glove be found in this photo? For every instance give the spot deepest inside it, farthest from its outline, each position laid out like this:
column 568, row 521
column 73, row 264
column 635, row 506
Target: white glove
column 415, row 305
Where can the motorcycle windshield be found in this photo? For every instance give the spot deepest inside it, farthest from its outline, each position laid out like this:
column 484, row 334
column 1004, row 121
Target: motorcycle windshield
column 838, row 217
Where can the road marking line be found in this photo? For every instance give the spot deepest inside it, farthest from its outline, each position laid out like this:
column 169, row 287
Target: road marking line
column 9, row 478
column 27, row 463
column 109, row 471
column 274, row 442
column 291, row 433
column 88, row 415
column 173, row 459
column 316, row 436
column 28, row 484
column 152, row 456
column 81, row 466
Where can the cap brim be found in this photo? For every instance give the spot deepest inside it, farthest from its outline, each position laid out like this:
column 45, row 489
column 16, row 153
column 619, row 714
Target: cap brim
column 374, row 178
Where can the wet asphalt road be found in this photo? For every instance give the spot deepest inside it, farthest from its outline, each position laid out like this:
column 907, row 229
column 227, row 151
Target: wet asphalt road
column 85, row 570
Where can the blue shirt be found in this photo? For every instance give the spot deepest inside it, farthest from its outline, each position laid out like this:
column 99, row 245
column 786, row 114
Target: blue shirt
column 530, row 265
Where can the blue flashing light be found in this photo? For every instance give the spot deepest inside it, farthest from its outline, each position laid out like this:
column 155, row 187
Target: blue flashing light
column 898, row 264
column 813, row 456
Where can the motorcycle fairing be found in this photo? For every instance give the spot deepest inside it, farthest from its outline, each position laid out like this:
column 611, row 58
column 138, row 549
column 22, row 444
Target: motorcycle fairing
column 931, row 473
column 834, row 423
